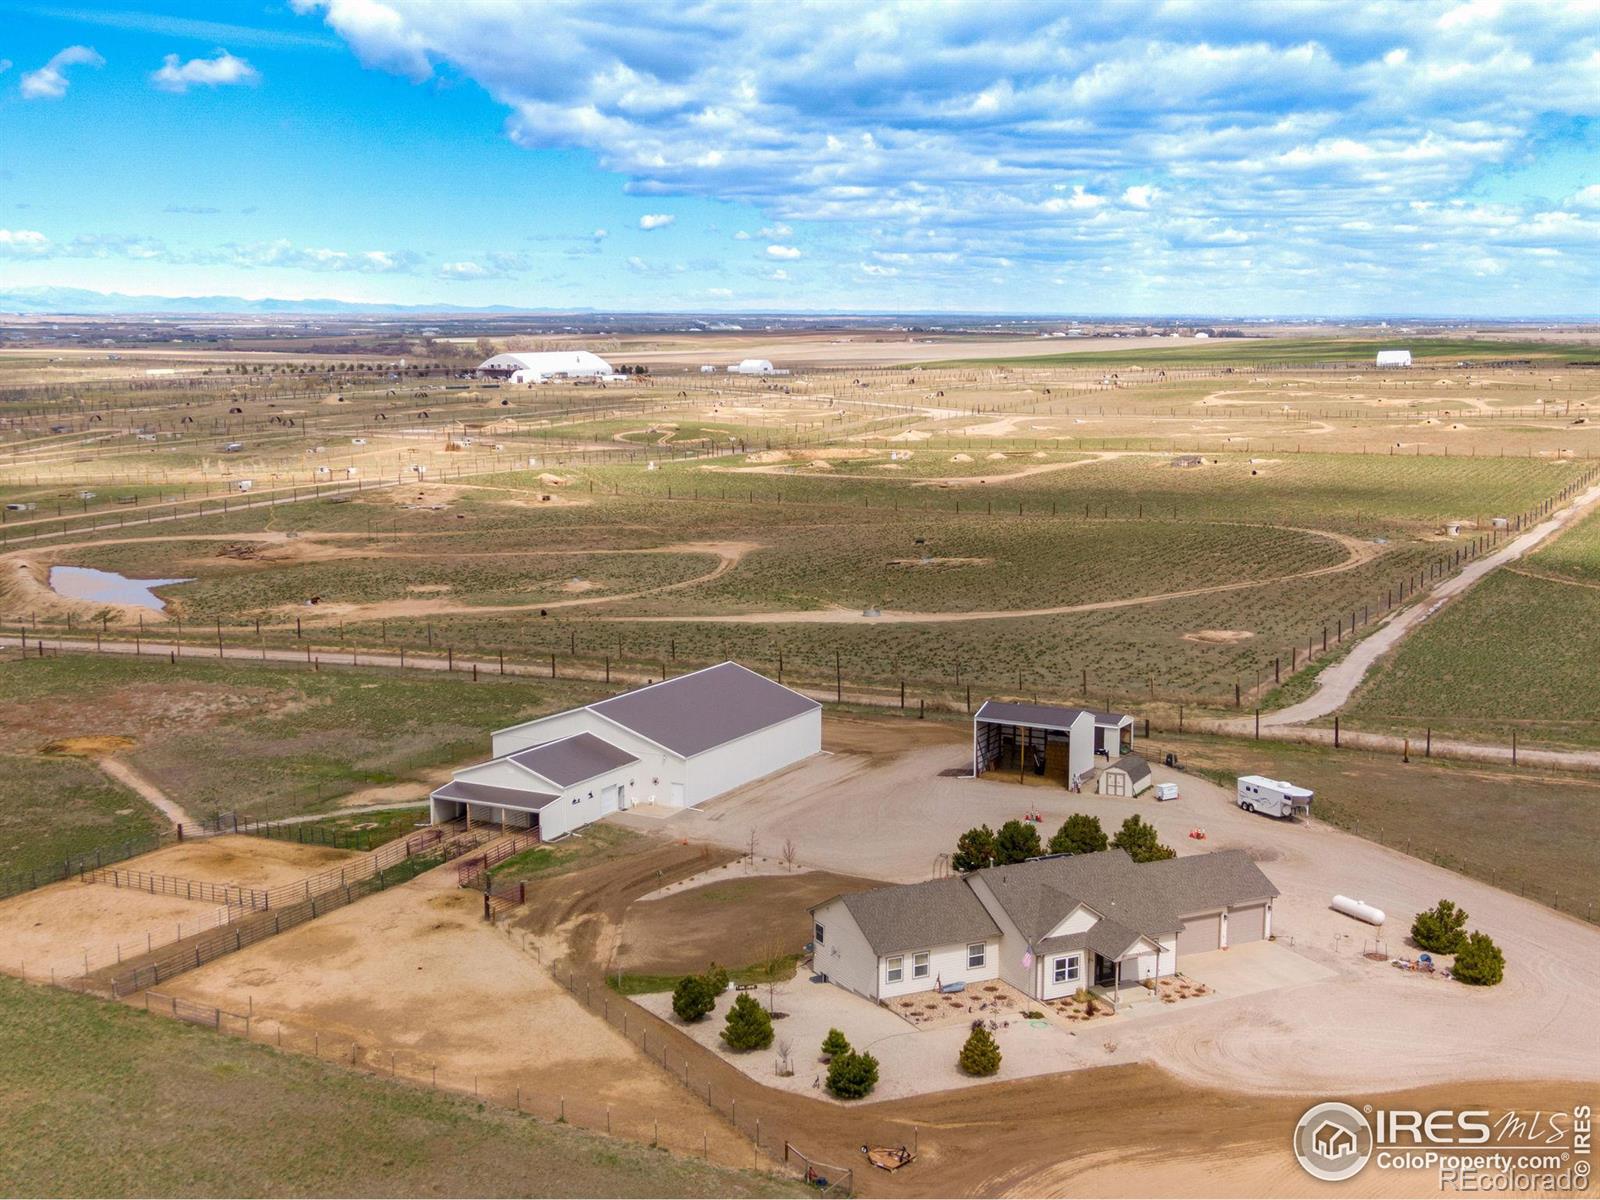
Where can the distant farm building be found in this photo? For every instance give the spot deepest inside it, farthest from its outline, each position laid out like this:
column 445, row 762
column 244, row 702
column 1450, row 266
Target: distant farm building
column 673, row 744
column 549, row 364
column 754, row 366
column 1394, row 358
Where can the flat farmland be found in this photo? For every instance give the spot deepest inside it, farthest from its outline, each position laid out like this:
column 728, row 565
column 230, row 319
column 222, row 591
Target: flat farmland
column 135, row 1104
column 58, row 806
column 265, row 739
column 1516, row 654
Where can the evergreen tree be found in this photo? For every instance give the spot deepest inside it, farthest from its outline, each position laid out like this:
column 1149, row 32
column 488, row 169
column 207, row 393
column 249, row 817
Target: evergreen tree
column 692, row 999
column 1441, row 929
column 1138, row 838
column 749, row 1026
column 1480, row 962
column 1016, row 842
column 1079, row 834
column 981, row 1054
column 852, row 1075
column 835, row 1044
column 974, row 849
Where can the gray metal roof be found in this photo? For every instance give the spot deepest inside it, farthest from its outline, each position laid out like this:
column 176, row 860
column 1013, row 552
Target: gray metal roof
column 1134, row 765
column 920, row 916
column 705, row 709
column 1040, row 716
column 1111, row 719
column 571, row 760
column 501, row 797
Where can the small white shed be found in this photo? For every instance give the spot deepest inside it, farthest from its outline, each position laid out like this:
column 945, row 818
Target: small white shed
column 1394, row 358
column 1128, row 776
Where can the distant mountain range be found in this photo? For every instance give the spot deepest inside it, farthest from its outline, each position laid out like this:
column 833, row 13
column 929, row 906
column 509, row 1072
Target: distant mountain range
column 69, row 301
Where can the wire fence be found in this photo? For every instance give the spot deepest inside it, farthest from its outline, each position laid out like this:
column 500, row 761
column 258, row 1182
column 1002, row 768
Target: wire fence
column 230, row 895
column 18, row 882
column 305, row 833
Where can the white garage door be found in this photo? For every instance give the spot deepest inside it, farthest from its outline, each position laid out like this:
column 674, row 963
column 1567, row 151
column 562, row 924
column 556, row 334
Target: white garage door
column 1247, row 924
column 608, row 798
column 1200, row 934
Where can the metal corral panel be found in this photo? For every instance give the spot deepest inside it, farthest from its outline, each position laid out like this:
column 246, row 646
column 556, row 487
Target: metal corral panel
column 1200, row 934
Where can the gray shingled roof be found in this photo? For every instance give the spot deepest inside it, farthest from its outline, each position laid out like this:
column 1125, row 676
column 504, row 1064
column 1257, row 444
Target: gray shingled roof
column 1110, row 718
column 1134, row 765
column 1147, row 898
column 571, row 760
column 464, row 792
column 1044, row 716
column 920, row 916
column 700, row 711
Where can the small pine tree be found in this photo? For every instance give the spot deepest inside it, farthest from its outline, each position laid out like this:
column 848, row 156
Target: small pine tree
column 692, row 999
column 853, row 1075
column 1079, row 834
column 835, row 1044
column 716, row 979
column 1479, row 961
column 1441, row 929
column 981, row 1054
column 1138, row 838
column 749, row 1026
column 1017, row 842
column 974, row 849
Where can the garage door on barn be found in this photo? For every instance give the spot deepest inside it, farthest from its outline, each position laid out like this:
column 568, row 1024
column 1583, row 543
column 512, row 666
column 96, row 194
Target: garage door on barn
column 1200, row 934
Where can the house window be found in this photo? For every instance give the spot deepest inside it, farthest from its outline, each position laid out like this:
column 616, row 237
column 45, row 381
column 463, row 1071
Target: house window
column 894, row 971
column 816, row 933
column 1065, row 969
column 919, row 965
column 976, row 954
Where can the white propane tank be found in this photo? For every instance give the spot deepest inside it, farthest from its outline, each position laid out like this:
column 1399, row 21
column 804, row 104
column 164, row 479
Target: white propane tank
column 1359, row 909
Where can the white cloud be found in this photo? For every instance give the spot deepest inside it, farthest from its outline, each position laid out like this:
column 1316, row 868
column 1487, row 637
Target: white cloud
column 221, row 70
column 1064, row 140
column 656, row 220
column 718, row 293
column 599, row 235
column 776, row 251
column 20, row 242
column 464, row 270
column 50, row 81
column 778, row 274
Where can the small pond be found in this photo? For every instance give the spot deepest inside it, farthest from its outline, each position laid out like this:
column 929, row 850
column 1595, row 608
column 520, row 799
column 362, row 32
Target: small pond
column 88, row 583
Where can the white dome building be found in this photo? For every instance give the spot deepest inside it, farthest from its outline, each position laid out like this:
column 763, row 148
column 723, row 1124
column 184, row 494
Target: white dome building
column 547, row 364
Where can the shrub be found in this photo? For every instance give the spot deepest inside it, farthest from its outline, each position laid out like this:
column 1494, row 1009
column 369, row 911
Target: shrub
column 1479, row 961
column 749, row 1026
column 852, row 1075
column 1441, row 929
column 1079, row 834
column 693, row 998
column 981, row 1054
column 835, row 1044
column 1138, row 837
column 974, row 849
column 716, row 979
column 1016, row 842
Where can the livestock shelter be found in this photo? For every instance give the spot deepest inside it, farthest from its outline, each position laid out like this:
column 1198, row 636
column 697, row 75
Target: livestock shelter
column 677, row 743
column 1113, row 734
column 1038, row 740
column 1128, row 776
column 1393, row 358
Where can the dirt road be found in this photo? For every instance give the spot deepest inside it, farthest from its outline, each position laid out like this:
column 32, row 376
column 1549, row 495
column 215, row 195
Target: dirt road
column 1338, row 682
column 124, row 774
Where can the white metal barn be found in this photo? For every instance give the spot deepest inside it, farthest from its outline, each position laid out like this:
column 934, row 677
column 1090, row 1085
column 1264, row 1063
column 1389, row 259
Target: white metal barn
column 754, row 366
column 677, row 743
column 1128, row 776
column 1394, row 358
column 548, row 364
column 1037, row 739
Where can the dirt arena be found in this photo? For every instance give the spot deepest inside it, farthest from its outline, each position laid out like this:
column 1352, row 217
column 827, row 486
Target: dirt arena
column 57, row 928
column 421, row 977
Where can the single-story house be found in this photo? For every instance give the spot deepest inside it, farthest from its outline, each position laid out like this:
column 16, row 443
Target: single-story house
column 678, row 743
column 1128, row 776
column 1048, row 926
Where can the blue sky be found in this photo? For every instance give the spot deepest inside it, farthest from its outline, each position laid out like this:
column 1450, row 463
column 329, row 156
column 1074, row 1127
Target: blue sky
column 1432, row 157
